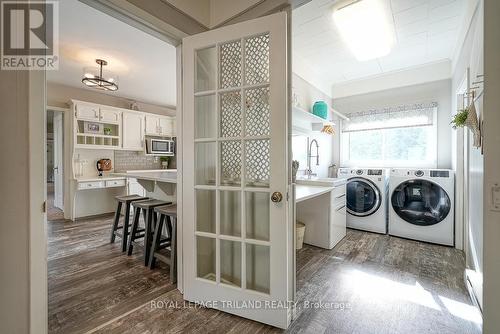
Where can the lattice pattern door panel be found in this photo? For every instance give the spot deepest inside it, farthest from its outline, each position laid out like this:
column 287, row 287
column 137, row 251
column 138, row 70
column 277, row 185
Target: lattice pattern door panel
column 233, row 243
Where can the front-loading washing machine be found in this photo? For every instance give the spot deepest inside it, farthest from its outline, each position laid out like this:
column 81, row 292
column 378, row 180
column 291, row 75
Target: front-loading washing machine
column 421, row 205
column 366, row 198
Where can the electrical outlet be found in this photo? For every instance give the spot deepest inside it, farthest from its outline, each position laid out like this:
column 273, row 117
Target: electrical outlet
column 495, row 197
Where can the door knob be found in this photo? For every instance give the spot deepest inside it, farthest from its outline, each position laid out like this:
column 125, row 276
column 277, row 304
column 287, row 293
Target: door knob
column 276, row 197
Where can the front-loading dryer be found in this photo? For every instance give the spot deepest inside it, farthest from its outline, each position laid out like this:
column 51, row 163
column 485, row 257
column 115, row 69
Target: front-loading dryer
column 421, row 205
column 366, row 198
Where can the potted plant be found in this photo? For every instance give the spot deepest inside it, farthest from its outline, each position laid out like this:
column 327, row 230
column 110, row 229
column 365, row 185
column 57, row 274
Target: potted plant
column 107, row 131
column 460, row 118
column 468, row 118
column 164, row 162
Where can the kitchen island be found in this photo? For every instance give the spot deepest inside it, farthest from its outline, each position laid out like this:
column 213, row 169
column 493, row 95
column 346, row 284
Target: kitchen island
column 159, row 184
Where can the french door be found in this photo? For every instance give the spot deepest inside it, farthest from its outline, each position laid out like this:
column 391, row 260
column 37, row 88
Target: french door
column 236, row 231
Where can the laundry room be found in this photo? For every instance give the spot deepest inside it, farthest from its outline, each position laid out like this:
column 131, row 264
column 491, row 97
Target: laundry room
column 382, row 160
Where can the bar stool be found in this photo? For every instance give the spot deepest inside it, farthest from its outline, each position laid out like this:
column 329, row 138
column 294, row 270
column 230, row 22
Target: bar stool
column 147, row 208
column 127, row 200
column 162, row 242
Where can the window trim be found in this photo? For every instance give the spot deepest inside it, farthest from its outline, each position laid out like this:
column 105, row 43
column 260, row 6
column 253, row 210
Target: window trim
column 391, row 163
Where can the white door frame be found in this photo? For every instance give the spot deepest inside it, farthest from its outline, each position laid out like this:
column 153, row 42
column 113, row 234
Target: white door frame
column 58, row 151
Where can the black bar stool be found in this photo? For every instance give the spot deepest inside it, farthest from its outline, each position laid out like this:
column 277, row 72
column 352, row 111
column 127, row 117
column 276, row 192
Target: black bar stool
column 161, row 242
column 127, row 200
column 147, row 208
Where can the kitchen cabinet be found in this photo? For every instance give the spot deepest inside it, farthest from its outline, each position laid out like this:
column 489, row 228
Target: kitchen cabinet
column 152, row 124
column 134, row 188
column 93, row 112
column 87, row 112
column 159, row 125
column 109, row 116
column 165, row 124
column 133, row 131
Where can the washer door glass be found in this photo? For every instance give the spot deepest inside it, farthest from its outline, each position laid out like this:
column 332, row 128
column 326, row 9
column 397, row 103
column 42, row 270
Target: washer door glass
column 421, row 202
column 362, row 197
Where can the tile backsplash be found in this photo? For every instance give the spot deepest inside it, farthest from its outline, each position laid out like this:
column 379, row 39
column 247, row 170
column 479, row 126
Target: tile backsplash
column 130, row 160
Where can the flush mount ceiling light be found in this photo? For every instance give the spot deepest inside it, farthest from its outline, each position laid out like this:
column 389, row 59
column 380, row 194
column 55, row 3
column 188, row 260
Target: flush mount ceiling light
column 93, row 77
column 365, row 27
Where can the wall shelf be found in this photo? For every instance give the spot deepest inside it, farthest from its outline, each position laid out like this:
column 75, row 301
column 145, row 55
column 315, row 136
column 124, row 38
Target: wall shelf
column 304, row 122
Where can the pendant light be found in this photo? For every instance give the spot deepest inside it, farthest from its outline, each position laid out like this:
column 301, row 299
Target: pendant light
column 93, row 77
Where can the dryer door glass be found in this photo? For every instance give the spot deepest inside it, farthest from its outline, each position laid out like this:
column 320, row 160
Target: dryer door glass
column 363, row 197
column 421, row 202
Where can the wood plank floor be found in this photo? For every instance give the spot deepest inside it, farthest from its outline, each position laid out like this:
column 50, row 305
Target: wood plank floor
column 376, row 283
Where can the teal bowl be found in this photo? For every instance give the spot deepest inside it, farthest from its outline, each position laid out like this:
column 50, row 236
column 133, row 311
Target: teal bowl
column 320, row 109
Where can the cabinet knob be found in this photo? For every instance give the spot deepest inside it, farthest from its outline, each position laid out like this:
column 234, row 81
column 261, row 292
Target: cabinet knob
column 276, row 197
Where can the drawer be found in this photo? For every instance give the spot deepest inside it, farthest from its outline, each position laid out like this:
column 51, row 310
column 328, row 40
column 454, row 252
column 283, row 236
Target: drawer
column 338, row 196
column 90, row 185
column 115, row 183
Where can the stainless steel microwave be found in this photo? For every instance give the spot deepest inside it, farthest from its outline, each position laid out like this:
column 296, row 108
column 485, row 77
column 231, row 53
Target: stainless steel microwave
column 160, row 146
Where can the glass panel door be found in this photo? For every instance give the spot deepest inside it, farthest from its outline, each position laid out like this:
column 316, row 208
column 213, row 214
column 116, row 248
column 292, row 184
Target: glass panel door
column 239, row 149
column 236, row 238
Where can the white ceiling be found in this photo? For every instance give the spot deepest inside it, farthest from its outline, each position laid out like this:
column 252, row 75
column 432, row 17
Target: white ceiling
column 146, row 66
column 426, row 31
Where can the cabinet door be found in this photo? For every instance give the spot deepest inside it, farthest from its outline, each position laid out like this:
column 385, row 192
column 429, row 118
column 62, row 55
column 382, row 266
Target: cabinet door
column 165, row 126
column 152, row 125
column 133, row 131
column 109, row 116
column 134, row 188
column 87, row 111
column 174, row 127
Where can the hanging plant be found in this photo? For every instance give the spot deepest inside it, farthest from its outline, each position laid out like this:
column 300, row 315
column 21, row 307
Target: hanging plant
column 460, row 118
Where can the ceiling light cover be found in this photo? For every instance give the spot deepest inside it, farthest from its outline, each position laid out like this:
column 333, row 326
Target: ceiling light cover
column 366, row 28
column 94, row 78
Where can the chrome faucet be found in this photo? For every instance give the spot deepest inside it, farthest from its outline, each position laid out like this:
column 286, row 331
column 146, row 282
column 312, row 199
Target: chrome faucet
column 309, row 172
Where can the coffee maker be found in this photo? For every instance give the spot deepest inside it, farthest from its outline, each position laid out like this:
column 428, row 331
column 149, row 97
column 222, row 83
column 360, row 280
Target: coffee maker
column 103, row 165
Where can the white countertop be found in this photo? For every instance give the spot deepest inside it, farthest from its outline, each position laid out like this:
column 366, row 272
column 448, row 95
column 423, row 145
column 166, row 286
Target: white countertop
column 99, row 178
column 326, row 182
column 167, row 176
column 304, row 192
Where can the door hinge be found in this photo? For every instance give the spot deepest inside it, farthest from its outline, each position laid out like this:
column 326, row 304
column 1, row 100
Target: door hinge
column 44, row 207
column 287, row 196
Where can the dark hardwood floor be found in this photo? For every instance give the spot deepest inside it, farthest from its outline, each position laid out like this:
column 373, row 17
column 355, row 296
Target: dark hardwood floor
column 376, row 283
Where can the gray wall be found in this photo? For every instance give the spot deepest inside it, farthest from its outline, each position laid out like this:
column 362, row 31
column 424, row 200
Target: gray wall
column 491, row 163
column 471, row 56
column 438, row 91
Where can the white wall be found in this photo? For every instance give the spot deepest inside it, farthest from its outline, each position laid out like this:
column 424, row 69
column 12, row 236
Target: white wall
column 439, row 91
column 307, row 94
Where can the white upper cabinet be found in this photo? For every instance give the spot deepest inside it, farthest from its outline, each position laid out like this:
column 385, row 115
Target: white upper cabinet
column 87, row 112
column 133, row 131
column 166, row 126
column 159, row 125
column 109, row 115
column 152, row 125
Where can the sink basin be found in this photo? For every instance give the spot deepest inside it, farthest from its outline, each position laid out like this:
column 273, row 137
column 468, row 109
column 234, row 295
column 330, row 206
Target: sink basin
column 321, row 181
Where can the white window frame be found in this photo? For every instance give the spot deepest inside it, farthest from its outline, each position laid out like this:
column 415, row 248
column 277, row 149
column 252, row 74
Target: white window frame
column 345, row 162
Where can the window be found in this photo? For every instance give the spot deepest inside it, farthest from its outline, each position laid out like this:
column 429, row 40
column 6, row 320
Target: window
column 401, row 137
